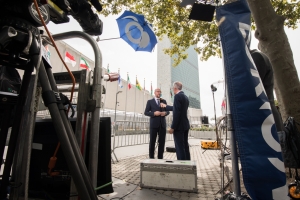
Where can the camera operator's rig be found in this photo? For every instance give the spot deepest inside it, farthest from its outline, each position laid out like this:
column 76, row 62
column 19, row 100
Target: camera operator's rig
column 21, row 47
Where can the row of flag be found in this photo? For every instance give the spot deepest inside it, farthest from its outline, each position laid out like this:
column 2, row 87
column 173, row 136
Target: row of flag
column 137, row 84
column 84, row 64
column 70, row 59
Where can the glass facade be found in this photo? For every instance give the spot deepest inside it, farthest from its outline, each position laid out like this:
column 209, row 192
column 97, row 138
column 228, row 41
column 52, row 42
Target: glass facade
column 187, row 73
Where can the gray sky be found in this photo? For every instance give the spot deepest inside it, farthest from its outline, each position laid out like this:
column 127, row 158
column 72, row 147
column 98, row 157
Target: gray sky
column 118, row 54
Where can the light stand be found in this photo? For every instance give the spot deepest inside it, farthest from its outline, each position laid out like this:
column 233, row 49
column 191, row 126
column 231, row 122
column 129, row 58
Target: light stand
column 213, row 90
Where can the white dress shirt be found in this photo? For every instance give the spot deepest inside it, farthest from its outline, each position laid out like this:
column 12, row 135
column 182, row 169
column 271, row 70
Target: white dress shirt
column 157, row 101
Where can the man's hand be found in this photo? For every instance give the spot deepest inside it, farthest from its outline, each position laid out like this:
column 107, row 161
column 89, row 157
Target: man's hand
column 163, row 105
column 163, row 114
column 171, row 131
column 157, row 113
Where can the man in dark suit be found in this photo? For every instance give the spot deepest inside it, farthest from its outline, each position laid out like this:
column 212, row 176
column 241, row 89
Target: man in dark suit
column 265, row 71
column 157, row 124
column 180, row 125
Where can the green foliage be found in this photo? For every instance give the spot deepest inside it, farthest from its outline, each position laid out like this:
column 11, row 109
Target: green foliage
column 290, row 10
column 169, row 19
column 203, row 128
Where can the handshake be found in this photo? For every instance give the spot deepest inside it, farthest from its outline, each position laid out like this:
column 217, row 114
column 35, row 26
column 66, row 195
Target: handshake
column 158, row 113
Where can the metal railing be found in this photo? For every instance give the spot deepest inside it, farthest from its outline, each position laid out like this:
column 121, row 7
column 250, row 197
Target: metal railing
column 130, row 133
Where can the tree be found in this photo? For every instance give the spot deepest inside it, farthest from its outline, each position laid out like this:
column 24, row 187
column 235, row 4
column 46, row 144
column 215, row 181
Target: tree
column 274, row 43
column 270, row 17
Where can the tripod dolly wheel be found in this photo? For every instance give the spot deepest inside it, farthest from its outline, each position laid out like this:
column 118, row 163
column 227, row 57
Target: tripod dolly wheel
column 294, row 191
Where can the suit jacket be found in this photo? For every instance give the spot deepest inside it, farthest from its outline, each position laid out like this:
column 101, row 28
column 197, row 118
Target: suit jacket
column 151, row 107
column 265, row 71
column 180, row 108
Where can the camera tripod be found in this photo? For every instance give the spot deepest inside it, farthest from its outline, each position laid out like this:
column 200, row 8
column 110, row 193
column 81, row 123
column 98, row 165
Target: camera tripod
column 21, row 47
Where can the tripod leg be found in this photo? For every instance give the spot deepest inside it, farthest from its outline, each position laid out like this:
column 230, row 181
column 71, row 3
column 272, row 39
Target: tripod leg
column 4, row 129
column 115, row 156
column 14, row 133
column 20, row 171
column 74, row 144
column 49, row 97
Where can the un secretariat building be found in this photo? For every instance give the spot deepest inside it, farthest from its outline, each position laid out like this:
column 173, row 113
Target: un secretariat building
column 186, row 72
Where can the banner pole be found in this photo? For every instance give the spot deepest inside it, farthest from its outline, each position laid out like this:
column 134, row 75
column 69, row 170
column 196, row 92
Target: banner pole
column 232, row 141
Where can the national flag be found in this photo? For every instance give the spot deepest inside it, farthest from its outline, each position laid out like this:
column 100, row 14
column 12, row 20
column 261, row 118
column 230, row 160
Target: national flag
column 70, row 59
column 138, row 86
column 108, row 68
column 171, row 94
column 128, row 81
column 84, row 64
column 120, row 82
column 223, row 107
column 151, row 89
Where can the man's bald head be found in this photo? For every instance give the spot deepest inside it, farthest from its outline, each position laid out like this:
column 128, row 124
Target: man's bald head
column 157, row 93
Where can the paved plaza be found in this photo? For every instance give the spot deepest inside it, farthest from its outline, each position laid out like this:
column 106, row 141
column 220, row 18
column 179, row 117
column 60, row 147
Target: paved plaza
column 126, row 174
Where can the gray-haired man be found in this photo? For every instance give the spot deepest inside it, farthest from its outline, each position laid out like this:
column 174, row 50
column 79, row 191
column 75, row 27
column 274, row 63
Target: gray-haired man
column 180, row 125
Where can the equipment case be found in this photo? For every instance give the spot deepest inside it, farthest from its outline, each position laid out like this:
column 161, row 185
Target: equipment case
column 180, row 175
column 171, row 149
column 209, row 144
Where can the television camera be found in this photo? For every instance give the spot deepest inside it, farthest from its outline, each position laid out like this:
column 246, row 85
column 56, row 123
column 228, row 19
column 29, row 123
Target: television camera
column 21, row 48
column 56, row 11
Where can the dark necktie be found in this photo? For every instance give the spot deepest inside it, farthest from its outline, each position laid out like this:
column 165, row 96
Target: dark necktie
column 158, row 102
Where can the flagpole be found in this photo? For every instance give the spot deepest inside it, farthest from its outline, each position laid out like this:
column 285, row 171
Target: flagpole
column 118, row 81
column 171, row 94
column 232, row 140
column 151, row 88
column 62, row 66
column 135, row 98
column 117, row 87
column 104, row 103
column 143, row 99
column 126, row 98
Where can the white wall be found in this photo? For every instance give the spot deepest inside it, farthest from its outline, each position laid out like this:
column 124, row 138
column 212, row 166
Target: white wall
column 164, row 69
column 136, row 99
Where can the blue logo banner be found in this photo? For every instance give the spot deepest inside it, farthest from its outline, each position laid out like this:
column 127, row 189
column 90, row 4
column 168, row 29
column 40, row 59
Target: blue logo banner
column 253, row 121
